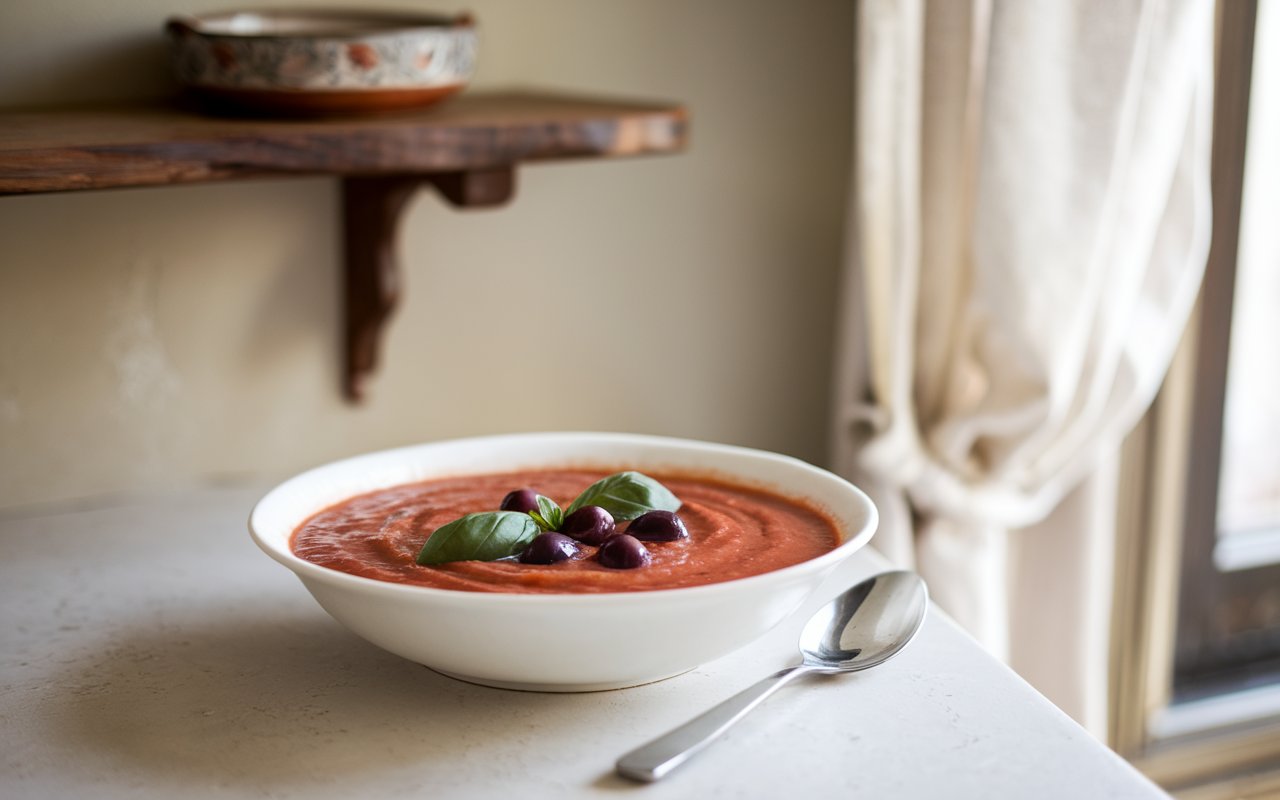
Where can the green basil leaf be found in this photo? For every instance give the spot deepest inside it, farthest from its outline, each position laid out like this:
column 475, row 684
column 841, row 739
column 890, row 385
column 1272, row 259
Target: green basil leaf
column 542, row 521
column 550, row 513
column 626, row 496
column 487, row 536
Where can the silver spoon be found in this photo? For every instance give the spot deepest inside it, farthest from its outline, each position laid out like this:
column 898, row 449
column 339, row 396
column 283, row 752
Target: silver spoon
column 867, row 625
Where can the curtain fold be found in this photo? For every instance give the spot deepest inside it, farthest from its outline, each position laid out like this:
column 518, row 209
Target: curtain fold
column 1029, row 229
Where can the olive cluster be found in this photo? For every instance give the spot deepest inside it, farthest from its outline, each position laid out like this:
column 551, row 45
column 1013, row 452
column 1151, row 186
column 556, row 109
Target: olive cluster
column 593, row 525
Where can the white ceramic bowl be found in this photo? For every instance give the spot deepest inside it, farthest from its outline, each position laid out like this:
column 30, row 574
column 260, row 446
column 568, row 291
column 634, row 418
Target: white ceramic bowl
column 561, row 642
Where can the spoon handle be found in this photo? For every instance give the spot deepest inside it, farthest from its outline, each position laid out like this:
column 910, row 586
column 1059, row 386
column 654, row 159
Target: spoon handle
column 652, row 761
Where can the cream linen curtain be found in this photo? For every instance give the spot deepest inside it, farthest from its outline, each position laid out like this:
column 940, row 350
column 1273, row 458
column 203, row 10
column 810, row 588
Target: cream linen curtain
column 1030, row 223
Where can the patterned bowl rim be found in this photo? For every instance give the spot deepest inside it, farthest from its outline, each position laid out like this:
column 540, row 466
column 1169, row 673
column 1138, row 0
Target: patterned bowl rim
column 397, row 23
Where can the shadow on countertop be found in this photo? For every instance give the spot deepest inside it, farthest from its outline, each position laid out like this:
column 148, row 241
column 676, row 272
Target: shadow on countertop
column 296, row 701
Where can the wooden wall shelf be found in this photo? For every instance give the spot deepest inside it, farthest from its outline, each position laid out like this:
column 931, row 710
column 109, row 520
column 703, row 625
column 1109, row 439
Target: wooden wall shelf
column 467, row 148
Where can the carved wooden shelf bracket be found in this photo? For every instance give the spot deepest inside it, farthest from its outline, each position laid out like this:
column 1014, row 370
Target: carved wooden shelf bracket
column 371, row 211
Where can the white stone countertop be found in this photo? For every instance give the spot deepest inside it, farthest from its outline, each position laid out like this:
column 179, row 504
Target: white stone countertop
column 149, row 650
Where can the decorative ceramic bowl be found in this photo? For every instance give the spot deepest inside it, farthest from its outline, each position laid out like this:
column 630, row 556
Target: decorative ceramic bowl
column 561, row 642
column 316, row 61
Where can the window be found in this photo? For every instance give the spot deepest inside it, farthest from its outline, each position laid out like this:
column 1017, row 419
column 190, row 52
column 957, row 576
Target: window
column 1196, row 678
column 1228, row 635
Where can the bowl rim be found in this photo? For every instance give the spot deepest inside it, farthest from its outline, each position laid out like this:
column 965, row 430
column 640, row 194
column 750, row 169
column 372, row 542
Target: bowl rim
column 379, row 22
column 308, row 570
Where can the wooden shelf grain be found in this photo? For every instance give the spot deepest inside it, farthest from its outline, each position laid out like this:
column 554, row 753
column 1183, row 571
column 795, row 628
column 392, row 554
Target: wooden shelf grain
column 121, row 146
column 467, row 148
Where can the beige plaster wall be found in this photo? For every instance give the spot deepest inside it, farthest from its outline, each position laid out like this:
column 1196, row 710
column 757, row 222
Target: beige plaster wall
column 160, row 338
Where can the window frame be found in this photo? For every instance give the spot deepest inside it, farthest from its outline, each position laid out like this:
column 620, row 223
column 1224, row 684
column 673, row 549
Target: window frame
column 1166, row 533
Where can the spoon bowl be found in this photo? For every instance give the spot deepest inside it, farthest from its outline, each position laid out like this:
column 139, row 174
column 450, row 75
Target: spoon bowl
column 866, row 625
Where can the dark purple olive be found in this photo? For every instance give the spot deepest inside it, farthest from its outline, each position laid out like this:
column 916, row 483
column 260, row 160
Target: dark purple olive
column 589, row 525
column 658, row 526
column 548, row 548
column 623, row 552
column 522, row 500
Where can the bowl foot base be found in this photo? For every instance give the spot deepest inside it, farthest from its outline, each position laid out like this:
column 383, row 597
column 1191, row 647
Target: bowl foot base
column 555, row 688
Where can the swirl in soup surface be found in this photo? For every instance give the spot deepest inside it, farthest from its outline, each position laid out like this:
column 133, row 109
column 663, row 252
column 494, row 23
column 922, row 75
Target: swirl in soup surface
column 734, row 532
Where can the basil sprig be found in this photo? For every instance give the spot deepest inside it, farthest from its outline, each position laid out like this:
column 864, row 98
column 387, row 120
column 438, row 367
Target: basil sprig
column 549, row 516
column 491, row 535
column 487, row 536
column 626, row 496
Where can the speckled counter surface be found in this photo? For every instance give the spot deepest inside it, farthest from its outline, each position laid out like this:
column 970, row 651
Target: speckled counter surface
column 149, row 650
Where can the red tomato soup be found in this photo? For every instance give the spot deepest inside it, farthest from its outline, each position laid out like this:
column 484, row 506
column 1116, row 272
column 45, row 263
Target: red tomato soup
column 734, row 532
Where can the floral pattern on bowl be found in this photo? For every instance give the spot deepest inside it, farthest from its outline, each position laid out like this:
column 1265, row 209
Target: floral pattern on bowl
column 326, row 61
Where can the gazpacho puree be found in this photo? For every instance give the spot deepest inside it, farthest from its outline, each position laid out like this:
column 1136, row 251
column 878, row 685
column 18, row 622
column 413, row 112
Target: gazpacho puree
column 734, row 532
